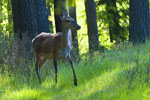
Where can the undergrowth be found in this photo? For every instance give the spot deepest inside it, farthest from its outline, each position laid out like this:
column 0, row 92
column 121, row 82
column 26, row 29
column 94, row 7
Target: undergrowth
column 122, row 73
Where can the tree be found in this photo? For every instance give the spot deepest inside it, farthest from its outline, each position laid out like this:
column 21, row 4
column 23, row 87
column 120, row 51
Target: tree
column 58, row 11
column 112, row 17
column 92, row 25
column 72, row 13
column 28, row 23
column 24, row 18
column 41, row 16
column 139, row 20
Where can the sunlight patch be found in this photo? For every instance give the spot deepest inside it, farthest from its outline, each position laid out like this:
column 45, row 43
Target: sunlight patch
column 100, row 83
column 23, row 94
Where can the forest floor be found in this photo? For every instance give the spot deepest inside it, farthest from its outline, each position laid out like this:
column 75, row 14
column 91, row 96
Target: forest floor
column 122, row 73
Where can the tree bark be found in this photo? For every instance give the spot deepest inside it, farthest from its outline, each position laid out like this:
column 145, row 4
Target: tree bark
column 41, row 16
column 139, row 21
column 92, row 25
column 24, row 18
column 25, row 29
column 30, row 18
column 58, row 11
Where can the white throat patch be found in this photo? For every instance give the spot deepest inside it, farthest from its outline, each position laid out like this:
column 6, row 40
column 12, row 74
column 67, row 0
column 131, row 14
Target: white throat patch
column 70, row 39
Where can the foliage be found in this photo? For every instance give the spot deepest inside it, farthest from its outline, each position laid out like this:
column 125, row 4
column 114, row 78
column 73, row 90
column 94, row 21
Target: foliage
column 82, row 33
column 12, row 53
column 6, row 22
column 106, row 12
column 103, row 76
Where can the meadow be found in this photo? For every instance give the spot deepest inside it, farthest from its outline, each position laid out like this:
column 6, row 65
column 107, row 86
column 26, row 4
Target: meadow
column 122, row 73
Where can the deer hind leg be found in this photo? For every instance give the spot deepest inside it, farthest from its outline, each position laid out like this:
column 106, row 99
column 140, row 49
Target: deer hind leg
column 72, row 66
column 55, row 66
column 42, row 61
column 37, row 68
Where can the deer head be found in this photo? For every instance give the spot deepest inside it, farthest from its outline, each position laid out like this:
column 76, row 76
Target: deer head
column 70, row 23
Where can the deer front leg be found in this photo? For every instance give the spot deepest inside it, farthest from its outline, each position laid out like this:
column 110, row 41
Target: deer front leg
column 55, row 66
column 72, row 66
column 38, row 69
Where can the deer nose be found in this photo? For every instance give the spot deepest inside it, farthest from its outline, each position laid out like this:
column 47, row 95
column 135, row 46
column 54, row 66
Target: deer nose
column 78, row 27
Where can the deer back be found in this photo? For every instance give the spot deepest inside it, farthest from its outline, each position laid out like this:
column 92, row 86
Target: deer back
column 46, row 44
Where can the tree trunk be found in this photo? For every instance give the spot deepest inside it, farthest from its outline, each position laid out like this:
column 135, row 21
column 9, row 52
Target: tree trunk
column 113, row 18
column 72, row 13
column 27, row 24
column 15, row 14
column 58, row 11
column 24, row 18
column 41, row 16
column 139, row 18
column 92, row 25
column 25, row 28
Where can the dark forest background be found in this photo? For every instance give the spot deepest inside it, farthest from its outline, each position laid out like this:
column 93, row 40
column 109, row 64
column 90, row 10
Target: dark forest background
column 104, row 23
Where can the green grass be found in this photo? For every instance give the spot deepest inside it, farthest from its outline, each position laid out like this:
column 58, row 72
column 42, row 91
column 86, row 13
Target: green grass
column 122, row 73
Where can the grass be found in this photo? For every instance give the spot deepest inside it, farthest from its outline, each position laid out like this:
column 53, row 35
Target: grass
column 118, row 74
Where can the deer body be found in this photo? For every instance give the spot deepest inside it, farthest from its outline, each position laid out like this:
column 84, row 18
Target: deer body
column 46, row 44
column 55, row 46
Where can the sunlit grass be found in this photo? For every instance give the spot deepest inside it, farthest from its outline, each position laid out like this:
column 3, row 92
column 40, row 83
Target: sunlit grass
column 101, row 77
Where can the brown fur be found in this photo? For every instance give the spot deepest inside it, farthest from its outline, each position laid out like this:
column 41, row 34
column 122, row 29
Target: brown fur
column 45, row 44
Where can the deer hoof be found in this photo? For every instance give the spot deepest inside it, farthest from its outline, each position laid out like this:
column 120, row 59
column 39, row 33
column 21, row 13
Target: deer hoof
column 75, row 82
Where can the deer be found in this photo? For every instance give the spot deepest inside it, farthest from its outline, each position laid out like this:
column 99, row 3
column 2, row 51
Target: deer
column 55, row 46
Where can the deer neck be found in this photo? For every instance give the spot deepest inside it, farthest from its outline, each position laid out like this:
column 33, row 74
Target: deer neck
column 67, row 40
